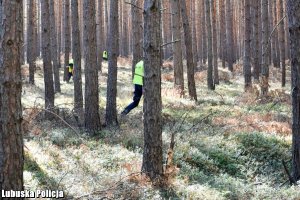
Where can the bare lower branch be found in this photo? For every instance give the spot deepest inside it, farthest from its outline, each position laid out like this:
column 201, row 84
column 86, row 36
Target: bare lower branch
column 134, row 5
column 170, row 43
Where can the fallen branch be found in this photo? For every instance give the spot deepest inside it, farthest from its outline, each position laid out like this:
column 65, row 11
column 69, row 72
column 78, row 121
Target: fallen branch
column 112, row 187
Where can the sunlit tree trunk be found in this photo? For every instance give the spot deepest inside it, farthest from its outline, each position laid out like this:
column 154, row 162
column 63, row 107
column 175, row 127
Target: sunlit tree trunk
column 113, row 47
column 152, row 157
column 11, row 135
column 189, row 51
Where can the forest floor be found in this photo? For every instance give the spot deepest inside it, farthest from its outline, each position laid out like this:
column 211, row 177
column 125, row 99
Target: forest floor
column 229, row 145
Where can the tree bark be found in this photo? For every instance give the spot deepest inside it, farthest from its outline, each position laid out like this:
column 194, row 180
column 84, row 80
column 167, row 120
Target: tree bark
column 256, row 42
column 247, row 47
column 100, row 32
column 32, row 37
column 54, row 52
column 67, row 37
column 293, row 12
column 137, row 32
column 229, row 35
column 210, row 80
column 204, row 36
column 76, row 49
column 215, row 42
column 91, row 117
column 152, row 157
column 47, row 65
column 11, row 134
column 282, row 43
column 189, row 51
column 113, row 49
column 177, row 50
column 222, row 32
column 265, row 56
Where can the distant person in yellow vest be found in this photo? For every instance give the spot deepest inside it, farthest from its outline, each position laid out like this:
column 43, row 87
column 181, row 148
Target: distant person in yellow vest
column 70, row 69
column 138, row 80
column 105, row 56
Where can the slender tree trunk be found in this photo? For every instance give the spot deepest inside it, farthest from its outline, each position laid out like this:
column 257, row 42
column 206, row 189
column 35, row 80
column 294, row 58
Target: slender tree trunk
column 194, row 35
column 247, row 48
column 113, row 47
column 276, row 38
column 223, row 32
column 204, row 37
column 256, row 42
column 282, row 43
column 67, row 37
column 11, row 134
column 229, row 35
column 32, row 37
column 47, row 65
column 265, row 57
column 152, row 157
column 76, row 49
column 215, row 42
column 177, row 51
column 293, row 12
column 100, row 38
column 189, row 51
column 91, row 117
column 137, row 30
column 54, row 53
column 210, row 80
column 125, row 31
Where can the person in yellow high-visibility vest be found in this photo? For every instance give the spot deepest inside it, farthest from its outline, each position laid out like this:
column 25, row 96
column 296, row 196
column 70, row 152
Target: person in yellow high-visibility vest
column 104, row 55
column 138, row 80
column 70, row 69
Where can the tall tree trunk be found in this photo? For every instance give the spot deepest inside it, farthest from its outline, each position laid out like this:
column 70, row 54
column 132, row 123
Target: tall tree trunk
column 152, row 157
column 194, row 35
column 229, row 35
column 137, row 32
column 113, row 49
column 32, row 37
column 189, row 51
column 204, row 37
column 106, row 24
column 76, row 49
column 256, row 42
column 210, row 80
column 293, row 12
column 47, row 65
column 215, row 42
column 276, row 37
column 67, row 37
column 54, row 52
column 265, row 56
column 282, row 43
column 177, row 51
column 11, row 134
column 247, row 48
column 222, row 31
column 91, row 101
column 100, row 38
column 125, row 31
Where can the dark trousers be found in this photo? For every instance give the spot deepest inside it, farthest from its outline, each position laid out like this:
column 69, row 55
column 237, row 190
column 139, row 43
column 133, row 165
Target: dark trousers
column 70, row 74
column 138, row 92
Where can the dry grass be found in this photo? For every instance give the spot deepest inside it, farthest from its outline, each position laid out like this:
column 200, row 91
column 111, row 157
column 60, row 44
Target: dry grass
column 109, row 165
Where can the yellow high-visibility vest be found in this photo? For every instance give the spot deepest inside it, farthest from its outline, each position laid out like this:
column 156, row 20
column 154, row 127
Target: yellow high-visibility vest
column 138, row 73
column 104, row 56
